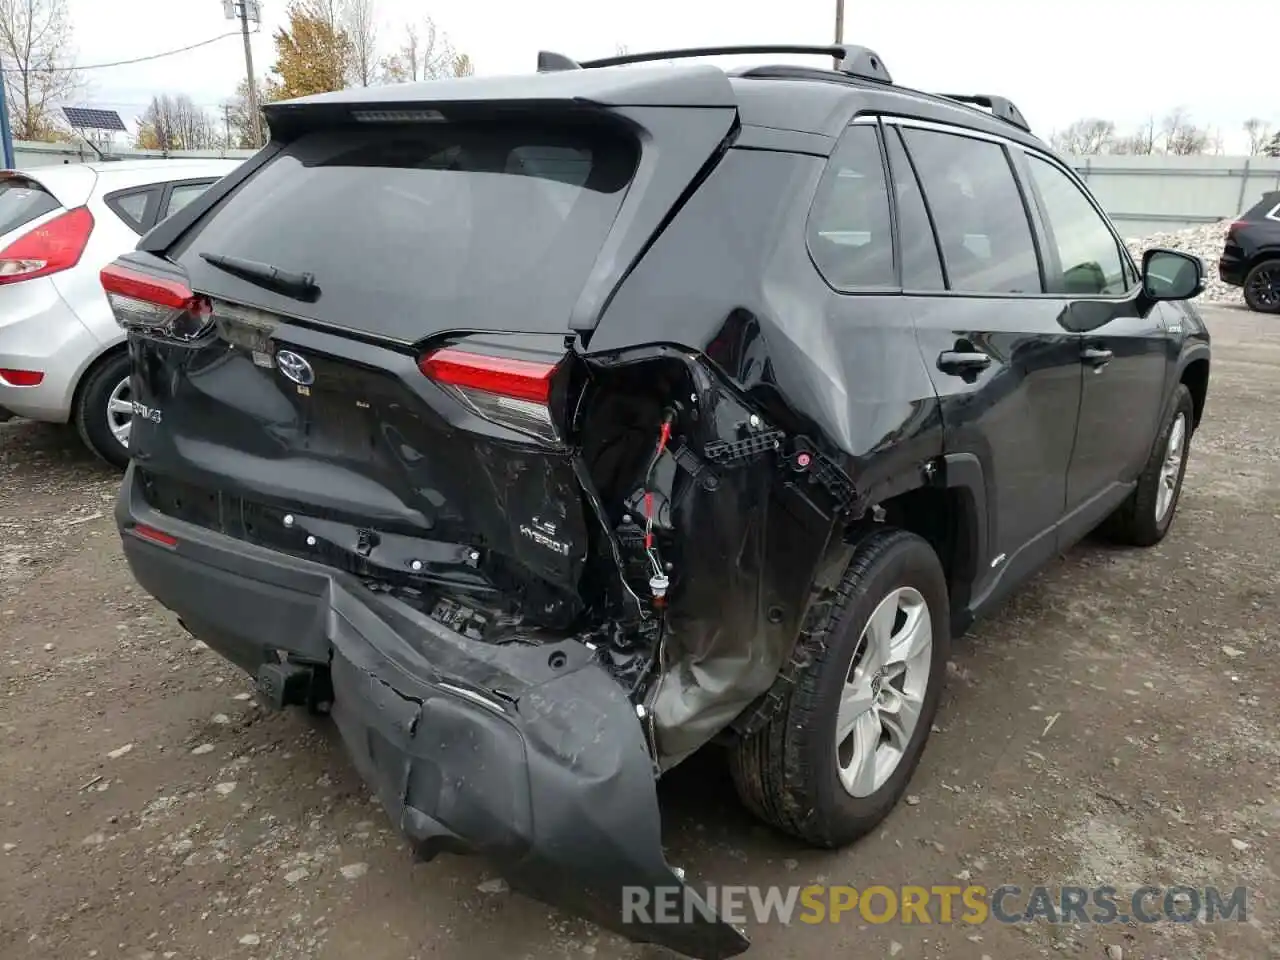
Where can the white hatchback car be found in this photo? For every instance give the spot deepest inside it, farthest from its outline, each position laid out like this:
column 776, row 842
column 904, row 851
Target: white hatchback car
column 62, row 356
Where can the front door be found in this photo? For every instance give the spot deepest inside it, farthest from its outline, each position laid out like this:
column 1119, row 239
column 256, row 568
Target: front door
column 1124, row 343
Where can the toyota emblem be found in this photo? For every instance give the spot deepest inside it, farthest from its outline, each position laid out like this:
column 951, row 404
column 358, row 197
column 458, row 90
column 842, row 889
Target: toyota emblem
column 296, row 368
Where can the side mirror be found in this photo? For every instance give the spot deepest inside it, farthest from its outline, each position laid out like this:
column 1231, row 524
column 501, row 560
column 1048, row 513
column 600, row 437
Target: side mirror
column 1171, row 275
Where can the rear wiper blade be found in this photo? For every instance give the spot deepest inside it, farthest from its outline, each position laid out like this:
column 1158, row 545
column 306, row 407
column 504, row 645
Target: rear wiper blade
column 299, row 285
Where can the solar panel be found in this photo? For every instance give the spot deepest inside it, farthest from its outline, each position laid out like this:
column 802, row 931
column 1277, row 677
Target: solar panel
column 83, row 118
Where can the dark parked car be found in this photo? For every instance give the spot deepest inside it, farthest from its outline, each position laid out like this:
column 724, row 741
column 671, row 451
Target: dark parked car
column 1251, row 255
column 547, row 430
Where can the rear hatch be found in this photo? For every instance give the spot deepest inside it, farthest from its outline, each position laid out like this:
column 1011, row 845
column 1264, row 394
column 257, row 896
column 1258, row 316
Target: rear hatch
column 395, row 398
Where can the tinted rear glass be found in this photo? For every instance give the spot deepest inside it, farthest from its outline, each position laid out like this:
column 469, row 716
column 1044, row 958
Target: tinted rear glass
column 410, row 231
column 21, row 201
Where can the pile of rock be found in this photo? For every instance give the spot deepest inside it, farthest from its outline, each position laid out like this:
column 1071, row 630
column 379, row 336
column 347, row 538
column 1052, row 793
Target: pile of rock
column 1206, row 243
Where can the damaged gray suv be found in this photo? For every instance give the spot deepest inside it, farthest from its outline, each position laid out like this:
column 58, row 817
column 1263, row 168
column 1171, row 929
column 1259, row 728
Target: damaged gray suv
column 546, row 430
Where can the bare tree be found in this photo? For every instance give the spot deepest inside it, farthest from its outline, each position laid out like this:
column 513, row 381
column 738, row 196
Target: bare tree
column 237, row 117
column 1259, row 132
column 39, row 62
column 1085, row 137
column 1182, row 138
column 1139, row 143
column 359, row 17
column 176, row 123
column 425, row 54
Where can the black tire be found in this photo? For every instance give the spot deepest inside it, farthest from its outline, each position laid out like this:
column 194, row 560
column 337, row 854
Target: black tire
column 90, row 412
column 1256, row 285
column 787, row 774
column 1135, row 522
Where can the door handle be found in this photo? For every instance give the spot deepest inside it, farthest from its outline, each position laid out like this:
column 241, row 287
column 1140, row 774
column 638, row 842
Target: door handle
column 1096, row 356
column 963, row 361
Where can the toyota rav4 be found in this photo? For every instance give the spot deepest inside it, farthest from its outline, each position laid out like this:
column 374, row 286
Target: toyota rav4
column 545, row 430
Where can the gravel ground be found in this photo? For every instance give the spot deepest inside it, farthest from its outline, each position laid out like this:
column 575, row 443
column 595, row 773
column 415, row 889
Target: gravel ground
column 1205, row 242
column 1116, row 722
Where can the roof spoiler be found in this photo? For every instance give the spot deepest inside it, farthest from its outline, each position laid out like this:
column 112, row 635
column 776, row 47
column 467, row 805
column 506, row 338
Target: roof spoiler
column 853, row 61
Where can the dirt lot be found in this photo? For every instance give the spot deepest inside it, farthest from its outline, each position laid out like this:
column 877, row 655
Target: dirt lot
column 1116, row 723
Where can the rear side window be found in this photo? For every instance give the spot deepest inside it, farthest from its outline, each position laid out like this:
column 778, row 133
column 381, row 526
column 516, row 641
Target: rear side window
column 978, row 210
column 1087, row 249
column 850, row 238
column 131, row 206
column 21, row 201
column 180, row 194
column 413, row 230
column 921, row 266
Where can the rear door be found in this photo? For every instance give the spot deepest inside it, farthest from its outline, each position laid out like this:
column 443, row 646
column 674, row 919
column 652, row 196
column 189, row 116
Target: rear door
column 1127, row 349
column 1006, row 368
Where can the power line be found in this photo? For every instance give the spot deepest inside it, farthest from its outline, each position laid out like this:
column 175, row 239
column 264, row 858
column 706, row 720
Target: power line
column 125, row 63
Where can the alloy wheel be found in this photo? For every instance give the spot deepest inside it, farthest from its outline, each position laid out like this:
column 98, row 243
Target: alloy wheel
column 884, row 691
column 120, row 412
column 1171, row 468
column 1264, row 287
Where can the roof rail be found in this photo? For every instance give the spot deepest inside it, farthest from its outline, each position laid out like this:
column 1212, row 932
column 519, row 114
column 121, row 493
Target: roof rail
column 999, row 106
column 854, row 61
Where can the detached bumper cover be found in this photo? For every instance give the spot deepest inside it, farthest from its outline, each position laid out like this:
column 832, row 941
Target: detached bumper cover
column 530, row 755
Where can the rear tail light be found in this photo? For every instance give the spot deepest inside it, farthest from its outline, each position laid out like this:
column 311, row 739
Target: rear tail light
column 49, row 248
column 513, row 393
column 155, row 305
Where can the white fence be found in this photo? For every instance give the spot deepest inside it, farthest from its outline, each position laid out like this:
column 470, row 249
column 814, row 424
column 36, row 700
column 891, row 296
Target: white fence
column 1153, row 194
column 29, row 153
column 1143, row 195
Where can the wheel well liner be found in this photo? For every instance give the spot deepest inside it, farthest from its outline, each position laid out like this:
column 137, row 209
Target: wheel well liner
column 952, row 516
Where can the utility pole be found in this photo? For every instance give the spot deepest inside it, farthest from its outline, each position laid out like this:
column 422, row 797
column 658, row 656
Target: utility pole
column 839, row 26
column 226, row 119
column 244, row 10
column 6, row 134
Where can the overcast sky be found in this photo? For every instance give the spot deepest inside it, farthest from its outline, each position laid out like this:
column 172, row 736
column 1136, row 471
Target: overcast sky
column 1119, row 59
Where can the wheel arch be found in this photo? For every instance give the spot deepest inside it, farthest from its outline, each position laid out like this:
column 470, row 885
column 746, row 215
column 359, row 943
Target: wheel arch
column 1262, row 255
column 1194, row 374
column 108, row 353
column 948, row 509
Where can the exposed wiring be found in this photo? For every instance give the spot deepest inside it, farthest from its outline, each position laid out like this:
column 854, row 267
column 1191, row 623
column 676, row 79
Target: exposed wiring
column 123, row 63
column 664, row 435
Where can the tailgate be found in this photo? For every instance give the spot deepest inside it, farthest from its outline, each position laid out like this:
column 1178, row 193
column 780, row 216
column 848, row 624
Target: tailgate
column 386, row 387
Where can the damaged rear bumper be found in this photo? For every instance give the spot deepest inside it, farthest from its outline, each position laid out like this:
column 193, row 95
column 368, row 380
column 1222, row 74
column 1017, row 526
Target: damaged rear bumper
column 530, row 755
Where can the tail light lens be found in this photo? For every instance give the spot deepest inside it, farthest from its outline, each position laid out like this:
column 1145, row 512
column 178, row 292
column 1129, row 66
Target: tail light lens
column 513, row 393
column 158, row 306
column 22, row 378
column 49, row 248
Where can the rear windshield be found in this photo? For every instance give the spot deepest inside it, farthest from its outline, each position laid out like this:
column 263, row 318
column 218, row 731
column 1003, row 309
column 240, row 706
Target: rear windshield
column 413, row 230
column 21, row 201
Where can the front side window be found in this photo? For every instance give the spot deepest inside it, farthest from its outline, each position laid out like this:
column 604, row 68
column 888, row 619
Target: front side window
column 978, row 211
column 1087, row 249
column 850, row 237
